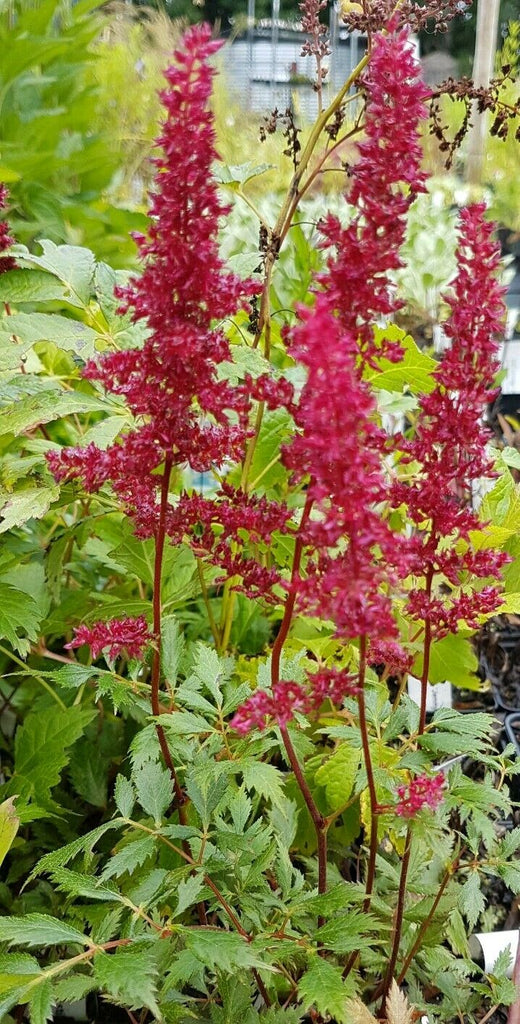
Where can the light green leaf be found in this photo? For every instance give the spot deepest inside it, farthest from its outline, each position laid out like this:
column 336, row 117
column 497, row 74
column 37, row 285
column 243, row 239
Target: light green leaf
column 154, row 790
column 72, row 265
column 9, row 824
column 19, row 618
column 471, row 900
column 41, row 747
column 220, row 950
column 265, row 779
column 206, row 784
column 209, row 669
column 38, row 930
column 84, row 844
column 509, row 606
column 124, row 796
column 413, row 372
column 129, row 976
column 235, row 175
column 41, row 1003
column 19, row 286
column 74, row 676
column 172, row 648
column 21, row 506
column 64, row 332
column 89, row 773
column 129, row 857
column 338, row 774
column 452, row 659
column 345, row 934
column 33, row 410
column 74, row 883
column 188, row 892
column 322, row 986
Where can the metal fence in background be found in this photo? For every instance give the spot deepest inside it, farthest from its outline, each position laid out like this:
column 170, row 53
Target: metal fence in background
column 265, row 68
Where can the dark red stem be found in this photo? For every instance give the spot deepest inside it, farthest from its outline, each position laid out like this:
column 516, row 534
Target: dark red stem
column 426, row 657
column 427, row 920
column 156, row 663
column 399, row 915
column 367, row 757
column 319, row 821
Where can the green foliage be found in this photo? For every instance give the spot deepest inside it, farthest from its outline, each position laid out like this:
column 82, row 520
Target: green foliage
column 192, row 886
column 57, row 161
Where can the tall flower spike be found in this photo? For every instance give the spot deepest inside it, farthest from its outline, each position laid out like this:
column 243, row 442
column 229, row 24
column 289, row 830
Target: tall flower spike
column 351, row 550
column 449, row 447
column 190, row 416
column 385, row 180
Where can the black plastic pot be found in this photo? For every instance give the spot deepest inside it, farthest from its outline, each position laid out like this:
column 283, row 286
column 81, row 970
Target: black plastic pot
column 512, row 735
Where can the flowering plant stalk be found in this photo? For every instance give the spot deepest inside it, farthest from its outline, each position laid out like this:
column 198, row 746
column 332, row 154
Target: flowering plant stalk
column 252, row 565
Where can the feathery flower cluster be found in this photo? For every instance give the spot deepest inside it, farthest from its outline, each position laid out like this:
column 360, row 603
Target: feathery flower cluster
column 385, row 180
column 449, row 446
column 349, row 571
column 6, row 262
column 391, row 654
column 119, row 635
column 189, row 415
column 423, row 791
column 289, row 697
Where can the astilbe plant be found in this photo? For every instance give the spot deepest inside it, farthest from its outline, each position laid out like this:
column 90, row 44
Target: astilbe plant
column 298, row 844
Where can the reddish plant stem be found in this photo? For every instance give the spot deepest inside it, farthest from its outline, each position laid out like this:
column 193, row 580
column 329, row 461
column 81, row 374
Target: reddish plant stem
column 398, row 924
column 426, row 923
column 319, row 821
column 367, row 757
column 426, row 657
column 156, row 663
column 399, row 915
column 291, row 597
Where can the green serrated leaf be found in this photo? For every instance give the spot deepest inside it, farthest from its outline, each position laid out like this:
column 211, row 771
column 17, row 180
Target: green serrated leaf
column 129, row 857
column 220, row 950
column 172, row 648
column 413, row 372
column 209, row 669
column 471, row 900
column 265, row 779
column 41, row 1002
column 21, row 506
column 38, row 930
column 124, row 796
column 41, row 747
column 66, row 333
column 154, row 790
column 188, row 892
column 345, row 934
column 76, row 884
column 19, row 286
column 129, row 976
column 72, row 265
column 19, row 618
column 33, row 410
column 74, row 676
column 322, row 986
column 9, row 825
column 338, row 774
column 452, row 659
